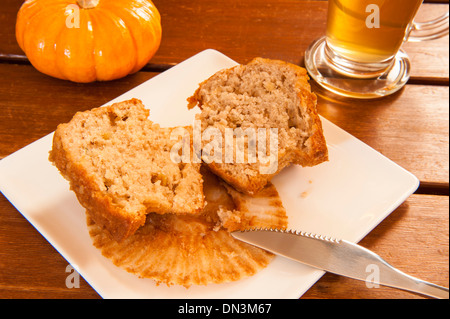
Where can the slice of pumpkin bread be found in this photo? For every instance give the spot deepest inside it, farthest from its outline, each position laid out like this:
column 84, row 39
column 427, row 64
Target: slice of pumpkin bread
column 119, row 165
column 264, row 94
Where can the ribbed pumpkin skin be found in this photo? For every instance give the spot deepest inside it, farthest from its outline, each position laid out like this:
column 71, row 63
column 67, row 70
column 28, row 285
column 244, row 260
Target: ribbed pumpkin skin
column 113, row 39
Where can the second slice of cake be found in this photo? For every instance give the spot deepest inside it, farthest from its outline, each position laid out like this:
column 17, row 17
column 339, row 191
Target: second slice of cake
column 268, row 108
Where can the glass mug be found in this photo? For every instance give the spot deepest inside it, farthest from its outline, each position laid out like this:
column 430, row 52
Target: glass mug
column 360, row 55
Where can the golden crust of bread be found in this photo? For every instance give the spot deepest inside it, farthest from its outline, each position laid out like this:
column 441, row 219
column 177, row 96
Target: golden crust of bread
column 118, row 164
column 309, row 151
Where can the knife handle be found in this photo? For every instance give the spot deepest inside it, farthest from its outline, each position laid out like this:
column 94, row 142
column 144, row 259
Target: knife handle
column 392, row 277
column 431, row 290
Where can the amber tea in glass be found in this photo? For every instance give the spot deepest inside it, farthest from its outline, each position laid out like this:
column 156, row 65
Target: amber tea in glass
column 369, row 32
column 361, row 55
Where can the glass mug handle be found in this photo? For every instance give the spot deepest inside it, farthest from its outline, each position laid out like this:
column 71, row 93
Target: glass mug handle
column 428, row 30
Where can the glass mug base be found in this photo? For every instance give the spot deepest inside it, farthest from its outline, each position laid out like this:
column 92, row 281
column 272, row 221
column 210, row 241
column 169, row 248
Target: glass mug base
column 344, row 83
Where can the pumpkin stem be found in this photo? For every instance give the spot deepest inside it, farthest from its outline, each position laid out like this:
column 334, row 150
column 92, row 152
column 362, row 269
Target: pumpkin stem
column 87, row 4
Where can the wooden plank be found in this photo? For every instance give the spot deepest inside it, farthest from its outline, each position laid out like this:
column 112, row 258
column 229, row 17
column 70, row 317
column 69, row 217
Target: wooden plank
column 29, row 266
column 409, row 127
column 414, row 239
column 280, row 30
column 429, row 59
column 33, row 104
column 246, row 29
column 8, row 16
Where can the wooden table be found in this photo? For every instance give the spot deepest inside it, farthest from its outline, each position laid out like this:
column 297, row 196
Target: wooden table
column 410, row 127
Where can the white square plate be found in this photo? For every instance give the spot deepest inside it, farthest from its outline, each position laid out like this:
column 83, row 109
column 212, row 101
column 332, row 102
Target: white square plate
column 344, row 198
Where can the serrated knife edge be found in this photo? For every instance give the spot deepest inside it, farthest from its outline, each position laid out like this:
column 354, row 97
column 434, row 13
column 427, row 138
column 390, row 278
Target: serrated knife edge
column 337, row 256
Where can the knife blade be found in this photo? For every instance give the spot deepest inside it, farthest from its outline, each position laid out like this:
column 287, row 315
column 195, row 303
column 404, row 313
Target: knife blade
column 337, row 256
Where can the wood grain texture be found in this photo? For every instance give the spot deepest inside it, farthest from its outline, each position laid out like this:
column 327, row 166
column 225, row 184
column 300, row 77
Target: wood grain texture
column 272, row 29
column 414, row 239
column 31, row 268
column 33, row 104
column 410, row 127
column 429, row 59
column 242, row 30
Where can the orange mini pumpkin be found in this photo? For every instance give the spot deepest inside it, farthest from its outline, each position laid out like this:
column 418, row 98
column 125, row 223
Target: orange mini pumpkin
column 88, row 40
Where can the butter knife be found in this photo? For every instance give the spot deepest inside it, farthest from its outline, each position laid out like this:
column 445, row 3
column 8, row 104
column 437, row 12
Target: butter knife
column 337, row 256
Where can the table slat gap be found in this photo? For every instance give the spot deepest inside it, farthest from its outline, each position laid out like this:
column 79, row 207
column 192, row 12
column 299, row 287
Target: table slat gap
column 430, row 188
